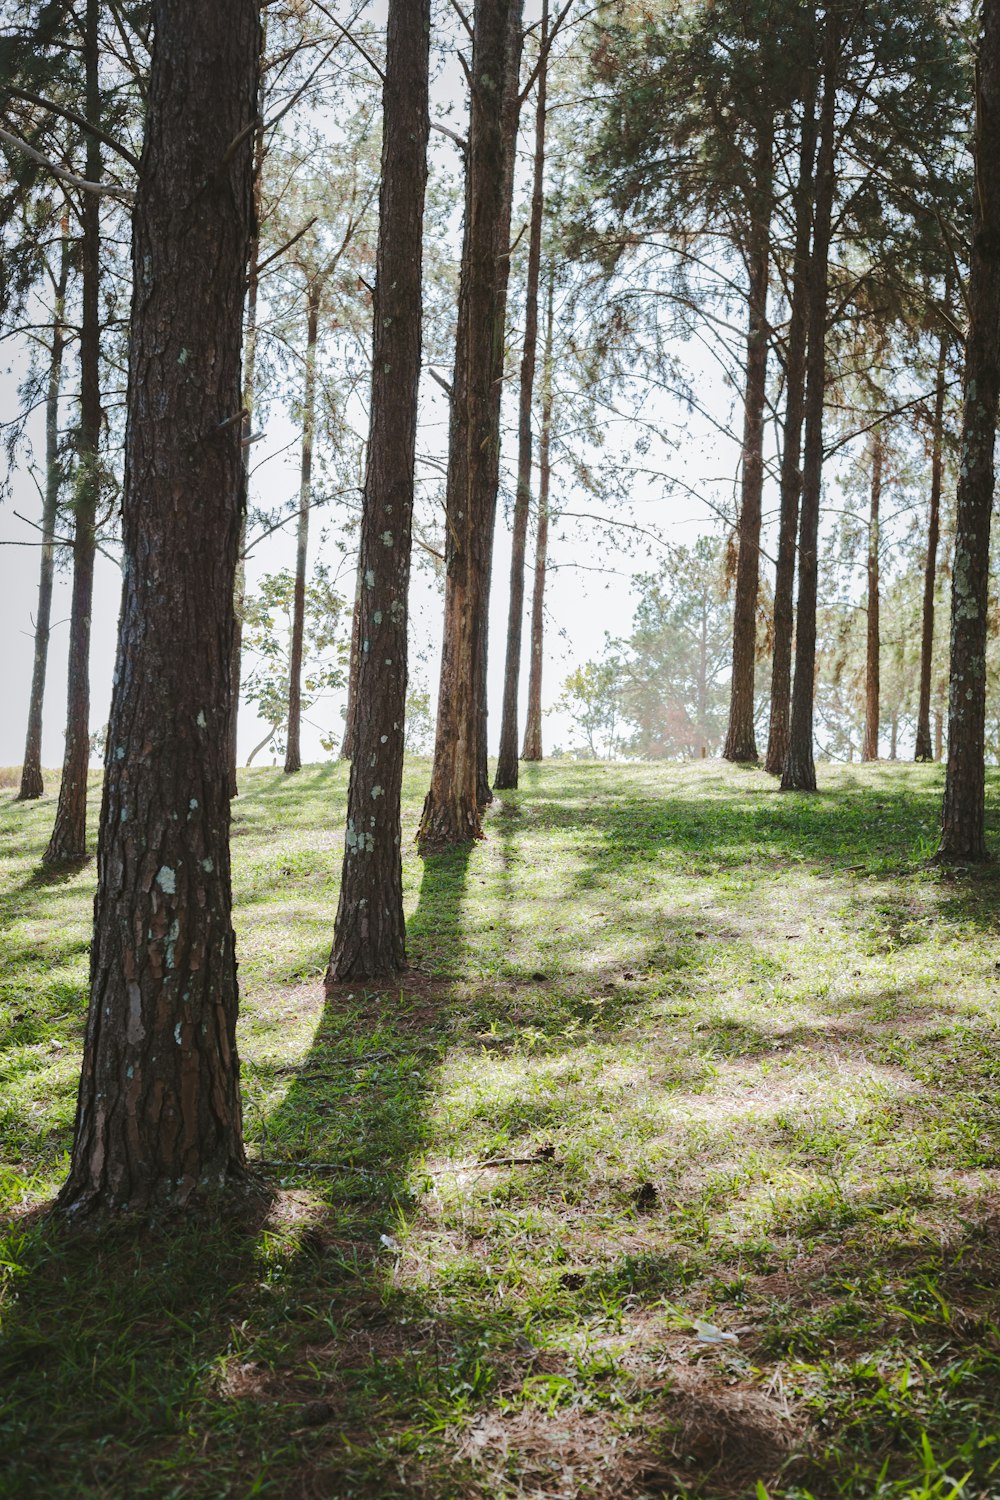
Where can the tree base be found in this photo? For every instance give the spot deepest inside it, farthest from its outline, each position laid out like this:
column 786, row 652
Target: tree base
column 446, row 826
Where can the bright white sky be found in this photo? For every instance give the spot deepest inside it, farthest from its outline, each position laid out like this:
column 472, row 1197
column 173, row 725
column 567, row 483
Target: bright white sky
column 589, row 589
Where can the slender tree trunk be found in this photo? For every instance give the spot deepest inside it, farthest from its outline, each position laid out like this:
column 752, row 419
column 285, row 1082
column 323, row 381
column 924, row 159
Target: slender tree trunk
column 68, row 840
column 370, row 934
column 249, row 392
column 799, row 770
column 531, row 749
column 158, row 1115
column 293, row 752
column 963, row 831
column 741, row 743
column 32, row 785
column 350, row 712
column 923, row 746
column 452, row 809
column 938, row 734
column 893, row 737
column 510, row 121
column 506, row 772
column 791, row 455
column 869, row 747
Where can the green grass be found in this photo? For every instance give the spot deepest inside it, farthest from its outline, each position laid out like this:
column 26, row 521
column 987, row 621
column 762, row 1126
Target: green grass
column 744, row 1047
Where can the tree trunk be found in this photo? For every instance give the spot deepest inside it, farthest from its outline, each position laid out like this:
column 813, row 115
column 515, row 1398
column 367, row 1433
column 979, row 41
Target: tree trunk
column 506, row 772
column 799, row 770
column 68, row 840
column 293, row 751
column 893, row 737
column 923, row 749
column 451, row 812
column 741, row 743
column 869, row 747
column 963, row 833
column 350, row 712
column 510, row 121
column 158, row 1115
column 938, row 734
column 791, row 454
column 32, row 785
column 249, row 392
column 531, row 748
column 370, row 933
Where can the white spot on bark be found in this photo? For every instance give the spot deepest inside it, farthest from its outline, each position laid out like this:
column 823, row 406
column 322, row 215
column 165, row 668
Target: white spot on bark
column 383, row 738
column 166, row 879
column 119, row 752
column 201, row 721
column 193, row 803
column 377, row 617
column 387, row 539
column 208, row 865
column 376, row 793
column 177, row 1033
column 369, row 578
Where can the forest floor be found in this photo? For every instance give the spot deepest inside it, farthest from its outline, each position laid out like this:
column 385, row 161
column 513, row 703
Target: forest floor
column 671, row 1169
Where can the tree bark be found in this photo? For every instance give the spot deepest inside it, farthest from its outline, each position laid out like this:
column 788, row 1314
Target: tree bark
column 531, row 749
column 791, row 454
column 923, row 749
column 293, row 750
column 370, row 933
column 32, row 785
column 158, row 1114
column 506, row 772
column 799, row 770
column 451, row 812
column 741, row 743
column 963, row 830
column 68, row 841
column 249, row 392
column 869, row 746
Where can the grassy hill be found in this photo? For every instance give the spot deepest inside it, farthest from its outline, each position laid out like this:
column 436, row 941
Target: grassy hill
column 670, row 1169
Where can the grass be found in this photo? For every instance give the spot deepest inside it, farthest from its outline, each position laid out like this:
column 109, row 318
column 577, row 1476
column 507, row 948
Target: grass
column 670, row 1170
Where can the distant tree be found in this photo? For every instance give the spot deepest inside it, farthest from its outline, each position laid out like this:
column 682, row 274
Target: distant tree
column 452, row 808
column 158, row 1115
column 269, row 614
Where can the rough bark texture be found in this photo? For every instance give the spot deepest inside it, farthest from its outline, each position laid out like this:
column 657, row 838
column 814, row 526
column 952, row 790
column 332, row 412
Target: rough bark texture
column 962, row 832
column 869, row 745
column 158, row 1116
column 791, row 454
column 451, row 812
column 506, row 772
column 32, row 785
column 924, row 748
column 799, row 770
column 532, row 746
column 293, row 744
column 741, row 743
column 68, row 840
column 370, row 934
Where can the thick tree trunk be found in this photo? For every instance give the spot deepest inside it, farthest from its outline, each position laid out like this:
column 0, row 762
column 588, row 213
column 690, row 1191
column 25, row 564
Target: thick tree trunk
column 68, row 840
column 350, row 712
column 510, row 121
column 249, row 392
column 370, row 934
column 158, row 1116
column 791, row 454
column 506, row 772
column 869, row 747
column 531, row 749
column 963, row 832
column 741, row 743
column 799, row 770
column 923, row 750
column 451, row 812
column 32, row 785
column 293, row 750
